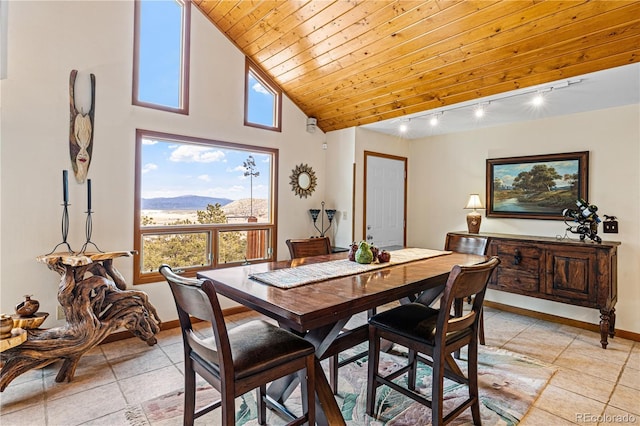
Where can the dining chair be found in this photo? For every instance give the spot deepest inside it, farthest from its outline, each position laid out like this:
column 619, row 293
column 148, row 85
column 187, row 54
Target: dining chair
column 349, row 337
column 305, row 247
column 239, row 360
column 436, row 334
column 469, row 245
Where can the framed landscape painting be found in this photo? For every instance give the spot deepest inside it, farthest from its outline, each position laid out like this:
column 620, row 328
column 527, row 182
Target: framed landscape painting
column 536, row 186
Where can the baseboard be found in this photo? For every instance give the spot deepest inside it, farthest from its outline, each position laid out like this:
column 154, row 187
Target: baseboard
column 560, row 320
column 168, row 325
column 120, row 335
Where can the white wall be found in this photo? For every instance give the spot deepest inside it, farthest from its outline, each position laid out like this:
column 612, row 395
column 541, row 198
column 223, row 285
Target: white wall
column 340, row 157
column 46, row 40
column 446, row 169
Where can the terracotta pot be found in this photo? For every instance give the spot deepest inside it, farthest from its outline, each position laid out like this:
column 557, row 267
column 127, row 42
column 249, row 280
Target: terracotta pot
column 27, row 307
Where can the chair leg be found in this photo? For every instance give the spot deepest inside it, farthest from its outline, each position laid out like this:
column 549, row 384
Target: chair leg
column 481, row 327
column 189, row 393
column 333, row 374
column 261, row 392
column 228, row 409
column 437, row 386
column 472, row 375
column 457, row 311
column 308, row 388
column 413, row 371
column 374, row 358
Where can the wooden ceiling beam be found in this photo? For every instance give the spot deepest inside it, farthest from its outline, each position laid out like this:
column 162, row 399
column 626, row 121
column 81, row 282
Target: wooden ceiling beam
column 327, row 37
column 397, row 88
column 355, row 62
column 413, row 60
column 520, row 79
column 379, row 46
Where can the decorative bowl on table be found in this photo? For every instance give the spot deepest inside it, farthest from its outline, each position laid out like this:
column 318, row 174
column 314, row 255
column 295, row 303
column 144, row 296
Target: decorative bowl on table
column 31, row 322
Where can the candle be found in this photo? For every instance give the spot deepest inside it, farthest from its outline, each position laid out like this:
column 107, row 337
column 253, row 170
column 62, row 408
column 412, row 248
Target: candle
column 89, row 195
column 65, row 187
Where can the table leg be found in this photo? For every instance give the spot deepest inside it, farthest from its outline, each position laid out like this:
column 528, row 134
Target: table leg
column 612, row 322
column 605, row 327
column 327, row 410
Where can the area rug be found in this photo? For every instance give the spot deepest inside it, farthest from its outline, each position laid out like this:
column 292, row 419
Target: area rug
column 509, row 383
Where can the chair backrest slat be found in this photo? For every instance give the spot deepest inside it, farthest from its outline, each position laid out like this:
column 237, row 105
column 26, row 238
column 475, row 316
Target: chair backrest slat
column 465, row 281
column 308, row 247
column 464, row 244
column 198, row 299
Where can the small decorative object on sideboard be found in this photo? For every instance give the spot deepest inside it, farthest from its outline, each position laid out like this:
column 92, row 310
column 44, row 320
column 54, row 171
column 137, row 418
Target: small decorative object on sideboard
column 474, row 218
column 27, row 307
column 586, row 218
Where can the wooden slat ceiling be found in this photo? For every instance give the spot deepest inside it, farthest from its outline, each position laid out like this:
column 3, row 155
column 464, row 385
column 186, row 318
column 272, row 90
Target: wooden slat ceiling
column 350, row 63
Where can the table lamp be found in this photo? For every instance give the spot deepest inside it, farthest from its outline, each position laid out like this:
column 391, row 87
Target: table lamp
column 474, row 218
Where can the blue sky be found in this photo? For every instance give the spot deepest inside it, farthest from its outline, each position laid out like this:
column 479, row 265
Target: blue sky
column 170, row 169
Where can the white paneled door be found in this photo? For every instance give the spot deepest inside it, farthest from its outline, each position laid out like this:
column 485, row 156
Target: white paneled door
column 385, row 199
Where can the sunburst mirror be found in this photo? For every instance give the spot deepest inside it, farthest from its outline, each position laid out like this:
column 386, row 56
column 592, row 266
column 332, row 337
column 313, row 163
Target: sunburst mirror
column 303, row 180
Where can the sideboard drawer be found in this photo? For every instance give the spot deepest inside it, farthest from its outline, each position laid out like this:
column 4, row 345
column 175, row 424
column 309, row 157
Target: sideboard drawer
column 519, row 269
column 509, row 280
column 521, row 258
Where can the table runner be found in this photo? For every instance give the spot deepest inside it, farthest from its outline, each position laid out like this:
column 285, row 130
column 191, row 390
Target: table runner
column 311, row 273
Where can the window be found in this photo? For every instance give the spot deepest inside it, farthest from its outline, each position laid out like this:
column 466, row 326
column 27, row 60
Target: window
column 161, row 55
column 262, row 100
column 201, row 204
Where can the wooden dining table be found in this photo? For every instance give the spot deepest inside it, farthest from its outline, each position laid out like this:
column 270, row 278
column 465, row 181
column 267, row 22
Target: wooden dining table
column 320, row 310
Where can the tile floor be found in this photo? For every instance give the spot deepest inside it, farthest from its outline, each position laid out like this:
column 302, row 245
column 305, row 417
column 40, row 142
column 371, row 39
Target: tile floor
column 592, row 386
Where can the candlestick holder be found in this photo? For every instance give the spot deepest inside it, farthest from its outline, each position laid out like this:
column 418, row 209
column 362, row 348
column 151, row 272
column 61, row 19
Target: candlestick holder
column 88, row 229
column 65, row 229
column 314, row 215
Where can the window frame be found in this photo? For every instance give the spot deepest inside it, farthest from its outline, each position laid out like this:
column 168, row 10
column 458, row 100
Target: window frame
column 184, row 62
column 266, row 81
column 214, row 228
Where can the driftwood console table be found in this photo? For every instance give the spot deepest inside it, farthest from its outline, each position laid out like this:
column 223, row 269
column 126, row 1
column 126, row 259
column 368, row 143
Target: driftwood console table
column 95, row 300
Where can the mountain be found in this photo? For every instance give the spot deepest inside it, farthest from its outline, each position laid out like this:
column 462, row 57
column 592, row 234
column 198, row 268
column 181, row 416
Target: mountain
column 242, row 208
column 184, row 202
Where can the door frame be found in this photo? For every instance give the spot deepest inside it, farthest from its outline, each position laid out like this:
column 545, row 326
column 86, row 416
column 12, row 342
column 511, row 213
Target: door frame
column 368, row 154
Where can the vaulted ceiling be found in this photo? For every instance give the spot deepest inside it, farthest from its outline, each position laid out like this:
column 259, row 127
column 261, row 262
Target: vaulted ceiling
column 350, row 63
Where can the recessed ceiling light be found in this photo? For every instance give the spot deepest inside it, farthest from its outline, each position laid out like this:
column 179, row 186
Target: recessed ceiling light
column 537, row 100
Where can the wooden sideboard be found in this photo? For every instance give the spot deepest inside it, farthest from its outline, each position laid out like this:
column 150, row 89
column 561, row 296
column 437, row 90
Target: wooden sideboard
column 581, row 273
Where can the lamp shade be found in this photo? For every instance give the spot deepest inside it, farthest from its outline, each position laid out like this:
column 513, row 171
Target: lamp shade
column 474, row 202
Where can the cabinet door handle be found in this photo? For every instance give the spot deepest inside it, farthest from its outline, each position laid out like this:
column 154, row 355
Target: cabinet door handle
column 517, row 257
